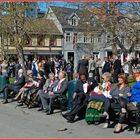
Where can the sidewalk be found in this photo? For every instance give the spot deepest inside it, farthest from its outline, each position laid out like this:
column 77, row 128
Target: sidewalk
column 22, row 122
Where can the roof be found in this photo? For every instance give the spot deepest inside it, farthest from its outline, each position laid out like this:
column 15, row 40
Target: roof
column 34, row 26
column 63, row 15
column 41, row 26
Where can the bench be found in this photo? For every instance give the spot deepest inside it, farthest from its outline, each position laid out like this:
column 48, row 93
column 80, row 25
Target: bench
column 132, row 112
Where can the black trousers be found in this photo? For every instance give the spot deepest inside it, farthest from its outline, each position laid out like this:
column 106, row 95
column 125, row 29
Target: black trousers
column 78, row 104
column 122, row 102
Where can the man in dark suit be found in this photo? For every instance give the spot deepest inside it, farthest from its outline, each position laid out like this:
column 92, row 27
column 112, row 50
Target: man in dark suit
column 117, row 69
column 80, row 98
column 19, row 83
column 59, row 88
column 83, row 66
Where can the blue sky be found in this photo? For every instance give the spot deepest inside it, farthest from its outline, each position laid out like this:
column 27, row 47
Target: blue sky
column 43, row 5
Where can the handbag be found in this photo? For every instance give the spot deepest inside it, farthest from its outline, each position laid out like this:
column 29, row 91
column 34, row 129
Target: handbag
column 131, row 106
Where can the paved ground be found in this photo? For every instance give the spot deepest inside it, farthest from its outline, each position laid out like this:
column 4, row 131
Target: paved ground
column 22, row 122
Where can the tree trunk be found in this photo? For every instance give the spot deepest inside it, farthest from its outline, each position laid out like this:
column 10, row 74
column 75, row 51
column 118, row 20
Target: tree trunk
column 21, row 59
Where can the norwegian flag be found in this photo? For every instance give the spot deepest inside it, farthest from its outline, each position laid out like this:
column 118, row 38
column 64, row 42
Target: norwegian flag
column 74, row 39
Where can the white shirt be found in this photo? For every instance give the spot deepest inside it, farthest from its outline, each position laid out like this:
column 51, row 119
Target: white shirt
column 85, row 87
column 59, row 83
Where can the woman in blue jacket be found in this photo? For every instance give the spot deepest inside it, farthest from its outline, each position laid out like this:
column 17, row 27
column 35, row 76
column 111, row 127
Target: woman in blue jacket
column 135, row 90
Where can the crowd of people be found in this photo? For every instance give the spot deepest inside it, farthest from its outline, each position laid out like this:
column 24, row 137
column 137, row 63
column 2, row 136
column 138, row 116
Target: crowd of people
column 50, row 80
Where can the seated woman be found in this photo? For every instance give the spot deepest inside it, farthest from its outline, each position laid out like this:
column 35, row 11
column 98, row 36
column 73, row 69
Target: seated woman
column 120, row 93
column 102, row 93
column 135, row 91
column 29, row 84
column 80, row 98
column 36, row 85
column 46, row 88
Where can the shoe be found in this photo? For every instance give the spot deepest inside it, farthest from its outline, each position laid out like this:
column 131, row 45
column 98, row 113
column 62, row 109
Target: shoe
column 64, row 116
column 40, row 109
column 21, row 104
column 45, row 110
column 49, row 112
column 69, row 119
column 5, row 102
column 123, row 110
column 105, row 114
column 105, row 125
column 29, row 107
column 13, row 100
column 118, row 128
column 19, row 101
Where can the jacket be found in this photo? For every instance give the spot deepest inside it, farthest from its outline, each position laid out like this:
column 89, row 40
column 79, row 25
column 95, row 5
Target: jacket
column 135, row 93
column 20, row 83
column 62, row 89
column 82, row 66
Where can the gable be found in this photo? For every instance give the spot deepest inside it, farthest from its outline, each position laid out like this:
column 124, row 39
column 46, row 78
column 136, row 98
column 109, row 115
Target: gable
column 74, row 15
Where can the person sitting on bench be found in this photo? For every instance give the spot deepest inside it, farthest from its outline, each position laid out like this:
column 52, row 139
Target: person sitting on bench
column 102, row 93
column 120, row 93
column 19, row 83
column 135, row 91
column 80, row 98
column 57, row 90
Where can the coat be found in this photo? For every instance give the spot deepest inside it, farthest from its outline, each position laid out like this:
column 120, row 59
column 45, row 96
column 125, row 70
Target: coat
column 135, row 93
column 82, row 66
column 20, row 83
column 63, row 88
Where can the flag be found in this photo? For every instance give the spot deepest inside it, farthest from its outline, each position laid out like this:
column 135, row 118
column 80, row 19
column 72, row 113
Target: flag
column 74, row 39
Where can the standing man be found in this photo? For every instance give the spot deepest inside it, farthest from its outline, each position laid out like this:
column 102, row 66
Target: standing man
column 117, row 68
column 34, row 67
column 52, row 65
column 106, row 65
column 17, row 67
column 83, row 66
column 91, row 66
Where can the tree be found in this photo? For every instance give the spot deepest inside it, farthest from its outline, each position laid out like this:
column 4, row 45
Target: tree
column 119, row 20
column 13, row 19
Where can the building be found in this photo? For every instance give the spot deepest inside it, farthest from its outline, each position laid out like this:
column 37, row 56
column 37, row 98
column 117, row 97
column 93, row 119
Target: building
column 42, row 38
column 81, row 34
column 76, row 39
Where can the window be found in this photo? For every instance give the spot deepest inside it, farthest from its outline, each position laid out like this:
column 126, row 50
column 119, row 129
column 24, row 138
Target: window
column 34, row 41
column 108, row 38
column 6, row 41
column 85, row 39
column 53, row 42
column 68, row 37
column 122, row 39
column 99, row 39
column 92, row 38
column 74, row 22
column 75, row 38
